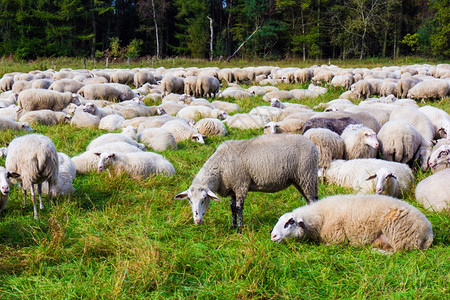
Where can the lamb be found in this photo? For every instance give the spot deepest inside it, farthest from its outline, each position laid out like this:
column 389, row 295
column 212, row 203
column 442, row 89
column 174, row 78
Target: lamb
column 246, row 121
column 36, row 99
column 93, row 109
column 210, row 127
column 5, row 181
column 66, row 174
column 45, row 117
column 87, row 161
column 128, row 135
column 135, row 164
column 336, row 125
column 34, row 157
column 429, row 89
column 381, row 221
column 102, row 92
column 111, row 122
column 368, row 175
column 159, row 139
column 7, row 123
column 66, row 85
column 291, row 125
column 172, row 84
column 207, row 86
column 254, row 169
column 440, row 158
column 433, row 192
column 360, row 142
column 201, row 112
column 329, row 144
column 182, row 131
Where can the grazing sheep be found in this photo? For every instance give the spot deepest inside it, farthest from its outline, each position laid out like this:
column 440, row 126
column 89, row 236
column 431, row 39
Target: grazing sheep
column 329, row 144
column 45, row 117
column 433, row 192
column 359, row 142
column 429, row 89
column 359, row 174
column 34, row 157
column 102, row 92
column 87, row 161
column 388, row 88
column 342, row 80
column 242, row 75
column 240, row 166
column 381, row 115
column 21, row 85
column 303, row 75
column 41, row 83
column 381, row 221
column 404, row 85
column 336, row 125
column 36, row 99
column 6, row 83
column 182, row 131
column 66, row 175
column 159, row 139
column 135, row 164
column 210, row 127
column 246, row 121
column 362, row 89
column 440, row 158
column 5, row 181
column 190, row 85
column 123, row 77
column 362, row 117
column 128, row 93
column 128, row 135
column 291, row 125
column 111, row 122
column 172, row 84
column 7, row 123
column 225, row 74
column 207, row 86
column 141, row 78
column 400, row 142
column 66, row 85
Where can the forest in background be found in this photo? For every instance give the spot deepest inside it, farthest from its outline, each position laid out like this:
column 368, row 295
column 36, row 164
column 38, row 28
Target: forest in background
column 305, row 29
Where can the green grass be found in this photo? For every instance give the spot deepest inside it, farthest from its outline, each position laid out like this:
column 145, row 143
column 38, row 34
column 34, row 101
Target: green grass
column 118, row 238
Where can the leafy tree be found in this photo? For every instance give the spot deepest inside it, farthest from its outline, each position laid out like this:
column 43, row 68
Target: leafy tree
column 440, row 38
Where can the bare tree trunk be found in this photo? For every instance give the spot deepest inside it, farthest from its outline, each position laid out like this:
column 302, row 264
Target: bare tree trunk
column 385, row 42
column 156, row 29
column 94, row 34
column 211, row 39
column 230, row 4
column 303, row 33
column 243, row 43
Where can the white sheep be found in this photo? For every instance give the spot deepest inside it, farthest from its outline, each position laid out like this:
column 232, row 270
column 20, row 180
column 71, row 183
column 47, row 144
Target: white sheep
column 36, row 99
column 246, row 121
column 93, row 109
column 46, row 117
column 182, row 131
column 141, row 78
column 7, row 123
column 66, row 85
column 87, row 161
column 83, row 119
column 128, row 135
column 280, row 94
column 5, row 181
column 201, row 112
column 362, row 89
column 429, row 89
column 34, row 157
column 417, row 119
column 172, row 84
column 66, row 174
column 102, row 92
column 275, row 102
column 440, row 158
column 122, row 76
column 433, row 192
column 291, row 125
column 210, row 127
column 111, row 122
column 226, row 106
column 271, row 113
column 207, row 86
column 240, row 166
column 440, row 120
column 381, row 221
column 360, row 142
column 20, row 85
column 329, row 144
column 135, row 164
column 159, row 139
column 6, row 83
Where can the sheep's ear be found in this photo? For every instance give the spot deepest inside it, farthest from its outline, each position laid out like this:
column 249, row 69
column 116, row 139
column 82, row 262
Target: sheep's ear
column 301, row 224
column 212, row 195
column 112, row 155
column 372, row 177
column 97, row 153
column 12, row 175
column 441, row 130
column 434, row 142
column 392, row 175
column 290, row 222
column 182, row 195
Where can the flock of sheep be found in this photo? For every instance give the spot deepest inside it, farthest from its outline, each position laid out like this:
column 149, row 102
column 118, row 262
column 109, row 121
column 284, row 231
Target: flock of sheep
column 337, row 141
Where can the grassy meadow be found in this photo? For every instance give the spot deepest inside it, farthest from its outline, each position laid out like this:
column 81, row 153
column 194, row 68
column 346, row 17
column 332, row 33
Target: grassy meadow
column 122, row 238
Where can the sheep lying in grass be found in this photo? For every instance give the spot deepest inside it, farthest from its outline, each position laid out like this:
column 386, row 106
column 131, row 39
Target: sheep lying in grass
column 34, row 157
column 5, row 181
column 365, row 177
column 45, row 117
column 6, row 123
column 210, row 127
column 240, row 166
column 182, row 131
column 290, row 125
column 246, row 121
column 111, row 122
column 381, row 221
column 433, row 192
column 159, row 139
column 128, row 135
column 440, row 158
column 66, row 174
column 136, row 164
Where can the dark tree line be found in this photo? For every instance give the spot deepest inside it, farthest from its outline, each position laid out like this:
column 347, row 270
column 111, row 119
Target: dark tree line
column 278, row 29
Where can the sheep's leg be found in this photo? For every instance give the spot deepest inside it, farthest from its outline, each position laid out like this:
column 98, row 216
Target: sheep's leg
column 233, row 211
column 39, row 190
column 50, row 194
column 24, row 193
column 240, row 210
column 33, row 196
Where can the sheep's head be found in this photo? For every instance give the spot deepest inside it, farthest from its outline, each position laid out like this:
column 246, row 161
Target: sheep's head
column 271, row 128
column 5, row 177
column 198, row 138
column 386, row 181
column 89, row 107
column 222, row 115
column 370, row 138
column 76, row 99
column 287, row 227
column 106, row 159
column 275, row 102
column 199, row 198
column 25, row 126
column 440, row 156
